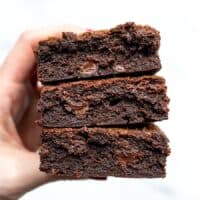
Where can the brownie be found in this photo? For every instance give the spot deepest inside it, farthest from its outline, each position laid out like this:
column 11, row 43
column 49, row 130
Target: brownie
column 100, row 152
column 106, row 102
column 125, row 49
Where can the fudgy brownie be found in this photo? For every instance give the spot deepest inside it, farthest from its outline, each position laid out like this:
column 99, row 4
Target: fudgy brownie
column 114, row 101
column 100, row 152
column 125, row 49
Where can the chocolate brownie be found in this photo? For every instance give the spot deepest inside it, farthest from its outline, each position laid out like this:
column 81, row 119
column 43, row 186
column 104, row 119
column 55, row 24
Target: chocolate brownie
column 114, row 101
column 125, row 49
column 100, row 152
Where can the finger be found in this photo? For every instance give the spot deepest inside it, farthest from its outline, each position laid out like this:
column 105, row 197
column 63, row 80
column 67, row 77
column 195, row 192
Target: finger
column 20, row 61
column 27, row 175
column 27, row 129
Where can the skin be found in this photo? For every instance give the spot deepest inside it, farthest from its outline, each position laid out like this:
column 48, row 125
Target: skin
column 19, row 135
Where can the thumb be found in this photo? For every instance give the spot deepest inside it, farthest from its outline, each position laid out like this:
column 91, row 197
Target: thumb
column 28, row 176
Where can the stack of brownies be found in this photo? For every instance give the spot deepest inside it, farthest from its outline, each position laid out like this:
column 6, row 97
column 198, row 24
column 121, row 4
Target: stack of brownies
column 98, row 102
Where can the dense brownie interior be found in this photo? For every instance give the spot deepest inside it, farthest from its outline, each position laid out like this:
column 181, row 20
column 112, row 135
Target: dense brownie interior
column 116, row 101
column 101, row 152
column 125, row 49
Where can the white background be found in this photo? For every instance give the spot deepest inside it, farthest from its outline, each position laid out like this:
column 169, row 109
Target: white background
column 178, row 22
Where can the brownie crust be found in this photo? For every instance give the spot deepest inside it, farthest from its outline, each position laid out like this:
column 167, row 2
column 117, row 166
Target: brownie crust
column 100, row 152
column 125, row 49
column 108, row 102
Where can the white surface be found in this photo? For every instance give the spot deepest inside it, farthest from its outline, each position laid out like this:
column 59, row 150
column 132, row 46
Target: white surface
column 180, row 31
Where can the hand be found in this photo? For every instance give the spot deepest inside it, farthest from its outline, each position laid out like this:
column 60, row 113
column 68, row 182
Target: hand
column 19, row 135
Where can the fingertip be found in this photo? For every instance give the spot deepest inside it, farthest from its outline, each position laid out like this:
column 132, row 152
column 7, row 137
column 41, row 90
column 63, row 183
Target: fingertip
column 39, row 87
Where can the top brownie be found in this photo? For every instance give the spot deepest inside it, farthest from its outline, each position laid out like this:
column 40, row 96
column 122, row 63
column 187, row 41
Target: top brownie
column 125, row 49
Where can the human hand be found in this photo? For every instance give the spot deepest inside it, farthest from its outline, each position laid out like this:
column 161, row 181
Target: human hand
column 19, row 135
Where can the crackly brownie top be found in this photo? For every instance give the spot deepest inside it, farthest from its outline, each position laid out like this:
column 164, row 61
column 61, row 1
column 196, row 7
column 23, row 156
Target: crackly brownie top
column 145, row 39
column 139, row 30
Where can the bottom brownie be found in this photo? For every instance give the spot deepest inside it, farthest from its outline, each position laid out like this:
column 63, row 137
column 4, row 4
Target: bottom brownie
column 100, row 152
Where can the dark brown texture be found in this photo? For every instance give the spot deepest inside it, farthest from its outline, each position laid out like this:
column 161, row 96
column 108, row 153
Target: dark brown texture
column 115, row 101
column 125, row 49
column 101, row 152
